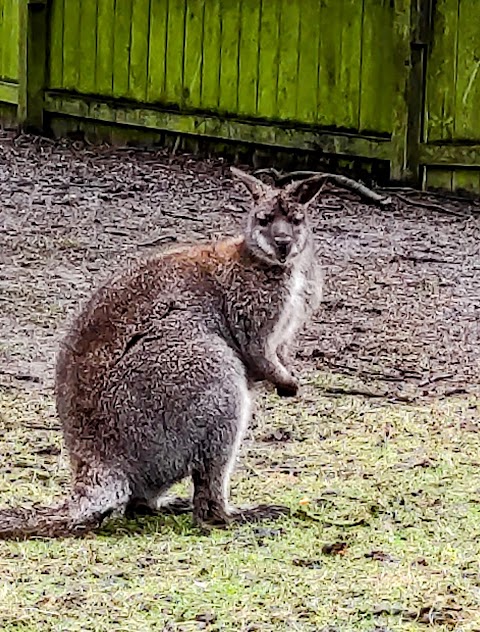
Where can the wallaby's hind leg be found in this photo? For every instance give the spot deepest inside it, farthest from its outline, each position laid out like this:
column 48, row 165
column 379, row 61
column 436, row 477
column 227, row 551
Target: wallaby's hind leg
column 210, row 506
column 211, row 478
column 211, row 481
column 210, row 501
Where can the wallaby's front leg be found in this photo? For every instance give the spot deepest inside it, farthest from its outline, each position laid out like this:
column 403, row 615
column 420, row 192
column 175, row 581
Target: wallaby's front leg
column 263, row 363
column 285, row 354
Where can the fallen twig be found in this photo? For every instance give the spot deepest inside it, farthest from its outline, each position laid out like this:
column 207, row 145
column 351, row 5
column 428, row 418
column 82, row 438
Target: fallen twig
column 343, row 181
column 438, row 194
column 427, row 260
column 116, row 231
column 190, row 218
column 352, row 391
column 429, row 205
column 157, row 240
column 21, row 377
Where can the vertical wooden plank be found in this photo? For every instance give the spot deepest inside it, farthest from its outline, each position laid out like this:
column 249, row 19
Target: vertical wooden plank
column 377, row 69
column 87, row 50
column 121, row 47
column 71, row 37
column 350, row 58
column 269, row 57
column 10, row 39
column 193, row 54
column 467, row 88
column 2, row 37
column 248, row 57
column 23, row 54
column 467, row 180
column 157, row 51
column 13, row 30
column 104, row 56
column 331, row 107
column 339, row 63
column 175, row 51
column 401, row 39
column 442, row 72
column 32, row 54
column 6, row 49
column 230, row 15
column 309, row 41
column 439, row 179
column 139, row 49
column 288, row 59
column 420, row 36
column 56, row 45
column 211, row 55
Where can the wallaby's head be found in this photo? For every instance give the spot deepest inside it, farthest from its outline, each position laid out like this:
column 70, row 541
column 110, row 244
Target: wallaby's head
column 277, row 229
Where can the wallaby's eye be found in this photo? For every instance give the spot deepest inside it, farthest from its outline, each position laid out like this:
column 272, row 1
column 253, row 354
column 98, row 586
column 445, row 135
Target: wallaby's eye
column 297, row 219
column 263, row 220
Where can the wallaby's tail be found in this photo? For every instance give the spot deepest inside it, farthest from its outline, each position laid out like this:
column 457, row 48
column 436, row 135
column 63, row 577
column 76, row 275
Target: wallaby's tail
column 48, row 522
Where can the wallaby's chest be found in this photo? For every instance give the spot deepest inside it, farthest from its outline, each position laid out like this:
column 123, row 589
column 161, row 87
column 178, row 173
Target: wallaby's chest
column 291, row 310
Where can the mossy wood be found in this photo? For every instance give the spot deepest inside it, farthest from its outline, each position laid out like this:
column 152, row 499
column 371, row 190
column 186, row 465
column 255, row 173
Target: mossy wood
column 392, row 80
column 9, row 47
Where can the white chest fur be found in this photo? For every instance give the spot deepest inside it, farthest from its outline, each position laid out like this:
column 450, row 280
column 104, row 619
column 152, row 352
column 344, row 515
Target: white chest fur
column 292, row 314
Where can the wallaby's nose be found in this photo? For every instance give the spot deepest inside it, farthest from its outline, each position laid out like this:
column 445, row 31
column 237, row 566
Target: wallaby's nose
column 283, row 240
column 283, row 243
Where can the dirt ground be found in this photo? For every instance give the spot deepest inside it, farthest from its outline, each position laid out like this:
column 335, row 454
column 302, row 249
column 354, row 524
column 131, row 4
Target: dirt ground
column 402, row 299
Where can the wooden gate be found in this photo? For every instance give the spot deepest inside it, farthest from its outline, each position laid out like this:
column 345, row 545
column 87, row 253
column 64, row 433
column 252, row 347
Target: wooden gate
column 450, row 148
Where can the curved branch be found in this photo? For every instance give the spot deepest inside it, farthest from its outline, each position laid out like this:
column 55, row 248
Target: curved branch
column 343, row 181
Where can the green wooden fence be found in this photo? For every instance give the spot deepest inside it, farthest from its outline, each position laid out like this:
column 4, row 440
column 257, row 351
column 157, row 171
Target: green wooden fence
column 9, row 49
column 452, row 112
column 248, row 59
column 393, row 80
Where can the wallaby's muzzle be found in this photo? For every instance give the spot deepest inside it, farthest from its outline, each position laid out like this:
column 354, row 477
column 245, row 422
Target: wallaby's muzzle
column 283, row 245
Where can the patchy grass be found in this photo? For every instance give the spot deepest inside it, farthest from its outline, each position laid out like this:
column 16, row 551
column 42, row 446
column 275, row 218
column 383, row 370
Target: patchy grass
column 384, row 533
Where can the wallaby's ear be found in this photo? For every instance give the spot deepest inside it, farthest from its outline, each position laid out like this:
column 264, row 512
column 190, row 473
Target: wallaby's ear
column 256, row 187
column 306, row 191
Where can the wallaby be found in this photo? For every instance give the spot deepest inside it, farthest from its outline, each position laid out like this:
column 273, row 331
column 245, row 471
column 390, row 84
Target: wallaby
column 153, row 379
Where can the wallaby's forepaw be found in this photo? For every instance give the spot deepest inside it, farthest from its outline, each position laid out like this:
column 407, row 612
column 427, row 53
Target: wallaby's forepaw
column 259, row 513
column 289, row 389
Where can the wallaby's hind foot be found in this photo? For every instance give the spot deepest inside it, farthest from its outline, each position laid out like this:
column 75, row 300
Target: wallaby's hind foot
column 222, row 519
column 259, row 513
column 210, row 510
column 210, row 506
column 174, row 505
